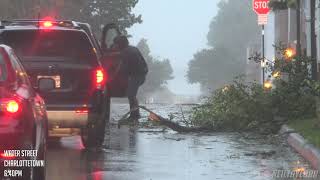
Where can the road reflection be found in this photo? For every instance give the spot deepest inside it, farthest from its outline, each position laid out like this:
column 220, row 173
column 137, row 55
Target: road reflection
column 68, row 160
column 144, row 154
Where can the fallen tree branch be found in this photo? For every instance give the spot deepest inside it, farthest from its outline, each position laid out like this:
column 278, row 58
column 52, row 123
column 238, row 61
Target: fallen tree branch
column 172, row 125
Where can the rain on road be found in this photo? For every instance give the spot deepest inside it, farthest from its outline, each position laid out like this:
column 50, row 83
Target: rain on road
column 150, row 154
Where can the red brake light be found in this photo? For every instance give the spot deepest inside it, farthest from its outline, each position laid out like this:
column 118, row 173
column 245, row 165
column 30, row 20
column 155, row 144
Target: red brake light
column 82, row 111
column 47, row 24
column 100, row 78
column 10, row 106
column 8, row 156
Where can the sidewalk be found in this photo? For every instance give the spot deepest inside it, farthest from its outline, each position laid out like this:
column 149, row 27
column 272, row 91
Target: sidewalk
column 302, row 146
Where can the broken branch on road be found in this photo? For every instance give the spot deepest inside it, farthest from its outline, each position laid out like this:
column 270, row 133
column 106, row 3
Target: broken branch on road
column 166, row 122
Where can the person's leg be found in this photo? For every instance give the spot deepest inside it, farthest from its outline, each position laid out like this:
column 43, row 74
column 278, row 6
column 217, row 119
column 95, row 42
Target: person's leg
column 134, row 108
column 133, row 86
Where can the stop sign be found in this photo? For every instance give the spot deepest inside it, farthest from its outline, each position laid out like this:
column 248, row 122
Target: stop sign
column 261, row 7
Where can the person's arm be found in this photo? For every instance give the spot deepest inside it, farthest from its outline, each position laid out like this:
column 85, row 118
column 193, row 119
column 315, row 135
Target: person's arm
column 144, row 63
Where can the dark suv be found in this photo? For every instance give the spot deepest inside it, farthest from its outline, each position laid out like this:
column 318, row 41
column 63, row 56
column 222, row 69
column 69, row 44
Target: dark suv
column 67, row 56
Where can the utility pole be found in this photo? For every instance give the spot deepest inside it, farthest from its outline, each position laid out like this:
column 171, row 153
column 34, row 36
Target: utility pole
column 263, row 56
column 313, row 38
column 262, row 9
column 298, row 29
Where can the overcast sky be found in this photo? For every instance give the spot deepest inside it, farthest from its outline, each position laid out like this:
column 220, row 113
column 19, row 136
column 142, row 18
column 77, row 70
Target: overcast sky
column 175, row 29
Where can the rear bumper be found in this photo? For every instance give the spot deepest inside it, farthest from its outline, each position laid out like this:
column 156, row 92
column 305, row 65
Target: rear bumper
column 67, row 119
column 66, row 123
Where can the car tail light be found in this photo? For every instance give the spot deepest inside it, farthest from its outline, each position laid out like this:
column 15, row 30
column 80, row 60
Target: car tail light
column 6, row 156
column 10, row 106
column 47, row 24
column 100, row 78
column 82, row 111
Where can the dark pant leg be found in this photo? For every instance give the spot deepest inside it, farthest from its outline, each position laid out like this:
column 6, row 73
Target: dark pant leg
column 134, row 107
column 133, row 86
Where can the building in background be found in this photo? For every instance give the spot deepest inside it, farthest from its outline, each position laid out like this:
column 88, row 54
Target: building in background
column 282, row 28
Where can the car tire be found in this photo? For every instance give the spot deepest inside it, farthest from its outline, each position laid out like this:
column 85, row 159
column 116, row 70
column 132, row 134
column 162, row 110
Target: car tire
column 86, row 137
column 103, row 127
column 94, row 134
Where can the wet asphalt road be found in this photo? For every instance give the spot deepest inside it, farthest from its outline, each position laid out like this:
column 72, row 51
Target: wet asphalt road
column 150, row 154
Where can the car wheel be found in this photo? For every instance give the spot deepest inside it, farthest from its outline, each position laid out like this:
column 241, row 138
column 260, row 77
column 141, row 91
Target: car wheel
column 85, row 137
column 94, row 134
column 103, row 127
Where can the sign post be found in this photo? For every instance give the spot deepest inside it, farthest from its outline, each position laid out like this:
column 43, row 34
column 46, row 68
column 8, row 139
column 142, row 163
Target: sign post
column 261, row 7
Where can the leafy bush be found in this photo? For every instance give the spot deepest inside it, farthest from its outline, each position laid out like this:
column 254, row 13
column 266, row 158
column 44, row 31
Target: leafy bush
column 244, row 106
column 235, row 107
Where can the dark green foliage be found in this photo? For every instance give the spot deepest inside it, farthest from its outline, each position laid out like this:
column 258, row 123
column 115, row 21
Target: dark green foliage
column 97, row 13
column 242, row 107
column 234, row 27
column 230, row 33
column 237, row 107
column 100, row 12
column 293, row 94
column 213, row 68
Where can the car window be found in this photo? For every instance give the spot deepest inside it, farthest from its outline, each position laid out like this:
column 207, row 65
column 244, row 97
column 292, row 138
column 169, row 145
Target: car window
column 3, row 69
column 71, row 45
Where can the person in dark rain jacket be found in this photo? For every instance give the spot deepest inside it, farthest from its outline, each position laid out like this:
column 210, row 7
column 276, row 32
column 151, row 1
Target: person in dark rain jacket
column 136, row 69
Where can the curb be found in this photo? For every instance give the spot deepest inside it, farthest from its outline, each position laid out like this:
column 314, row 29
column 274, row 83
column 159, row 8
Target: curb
column 308, row 151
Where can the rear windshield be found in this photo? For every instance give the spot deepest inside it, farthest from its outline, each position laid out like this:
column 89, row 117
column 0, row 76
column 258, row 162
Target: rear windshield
column 71, row 45
column 3, row 69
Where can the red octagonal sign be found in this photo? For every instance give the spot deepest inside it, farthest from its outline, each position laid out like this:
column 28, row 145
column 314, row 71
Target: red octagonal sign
column 261, row 7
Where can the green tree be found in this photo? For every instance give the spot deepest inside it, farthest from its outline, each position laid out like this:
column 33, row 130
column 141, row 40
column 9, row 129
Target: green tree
column 97, row 13
column 234, row 27
column 212, row 68
column 160, row 71
column 230, row 33
column 100, row 12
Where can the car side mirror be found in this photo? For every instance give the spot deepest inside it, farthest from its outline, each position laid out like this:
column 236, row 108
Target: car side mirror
column 46, row 84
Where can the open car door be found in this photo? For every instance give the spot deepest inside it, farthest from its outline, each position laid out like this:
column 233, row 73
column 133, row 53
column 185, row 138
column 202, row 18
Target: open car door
column 115, row 68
